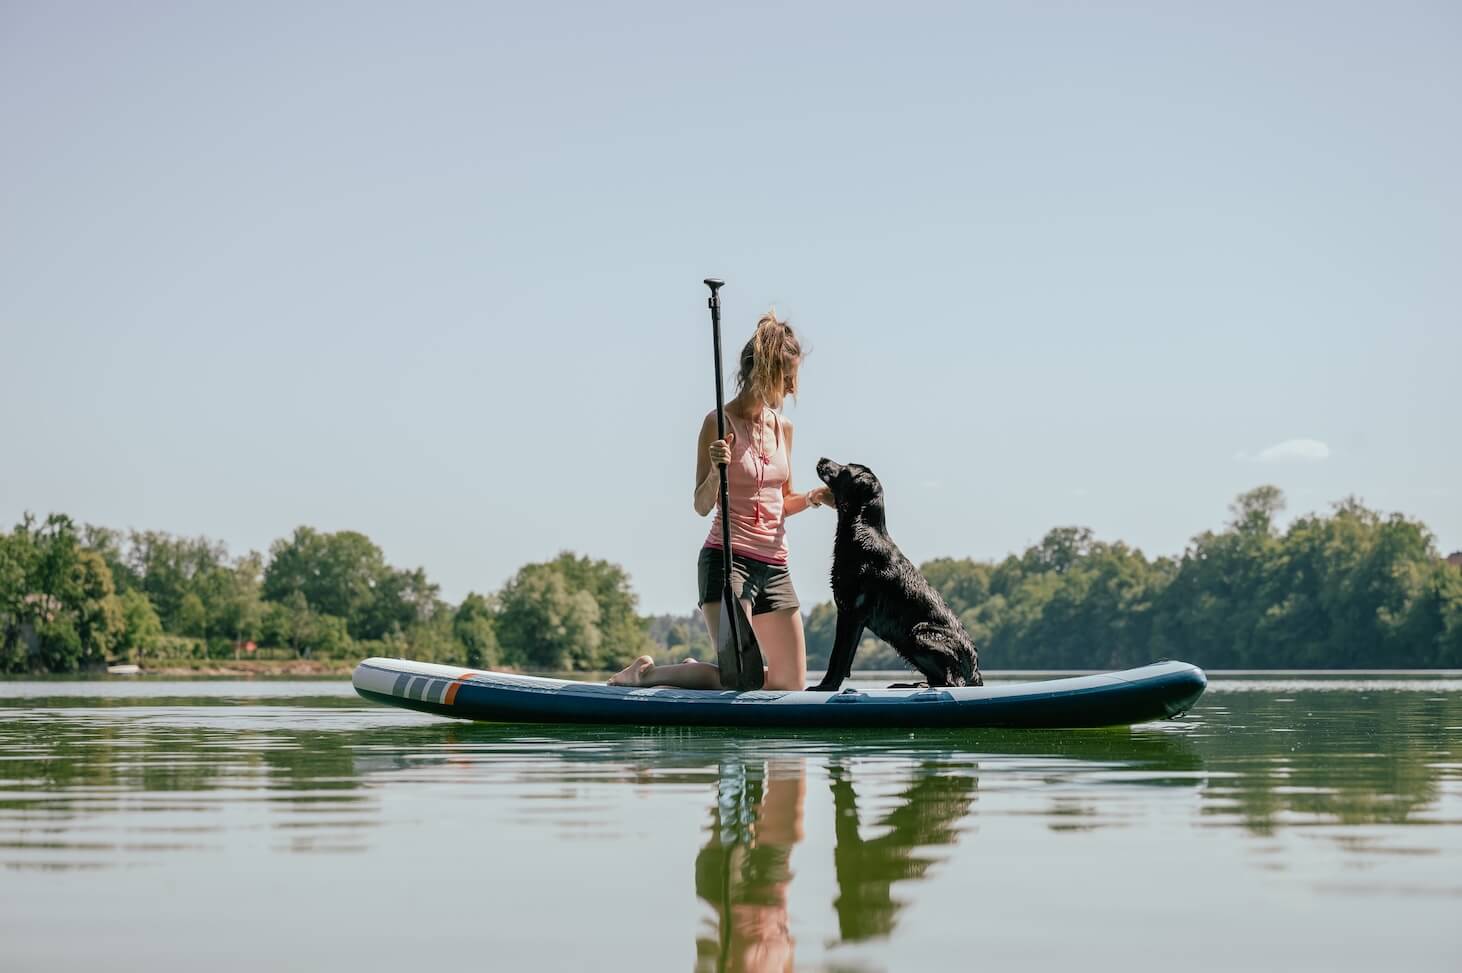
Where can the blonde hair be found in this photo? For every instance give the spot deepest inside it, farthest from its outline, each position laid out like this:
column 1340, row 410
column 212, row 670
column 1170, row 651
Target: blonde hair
column 770, row 359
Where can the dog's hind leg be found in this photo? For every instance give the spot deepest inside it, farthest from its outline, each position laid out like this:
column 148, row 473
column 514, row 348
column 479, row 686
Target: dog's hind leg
column 845, row 644
column 936, row 654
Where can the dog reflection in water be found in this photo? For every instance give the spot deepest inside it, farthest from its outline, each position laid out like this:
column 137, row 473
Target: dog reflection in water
column 745, row 869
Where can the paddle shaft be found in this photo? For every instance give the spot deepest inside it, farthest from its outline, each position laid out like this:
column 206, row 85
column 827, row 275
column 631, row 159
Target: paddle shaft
column 727, row 596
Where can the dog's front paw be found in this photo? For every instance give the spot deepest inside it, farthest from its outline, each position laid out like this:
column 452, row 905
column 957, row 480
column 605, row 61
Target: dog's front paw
column 823, row 687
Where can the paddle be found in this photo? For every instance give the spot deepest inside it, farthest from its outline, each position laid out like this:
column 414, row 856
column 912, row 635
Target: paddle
column 739, row 656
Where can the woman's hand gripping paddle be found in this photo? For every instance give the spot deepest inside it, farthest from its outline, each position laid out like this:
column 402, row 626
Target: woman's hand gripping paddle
column 739, row 655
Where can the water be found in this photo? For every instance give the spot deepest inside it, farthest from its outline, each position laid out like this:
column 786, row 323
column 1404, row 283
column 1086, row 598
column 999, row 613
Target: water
column 1307, row 823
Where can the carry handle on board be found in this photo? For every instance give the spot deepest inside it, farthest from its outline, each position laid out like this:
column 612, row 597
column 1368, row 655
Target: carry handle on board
column 739, row 656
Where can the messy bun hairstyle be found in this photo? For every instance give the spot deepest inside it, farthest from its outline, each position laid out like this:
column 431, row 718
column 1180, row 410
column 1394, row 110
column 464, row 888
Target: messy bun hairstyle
column 769, row 359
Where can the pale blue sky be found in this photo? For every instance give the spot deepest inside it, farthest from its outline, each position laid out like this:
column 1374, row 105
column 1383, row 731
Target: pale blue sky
column 432, row 271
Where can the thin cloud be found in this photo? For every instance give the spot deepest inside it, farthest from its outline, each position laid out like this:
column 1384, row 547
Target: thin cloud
column 1289, row 451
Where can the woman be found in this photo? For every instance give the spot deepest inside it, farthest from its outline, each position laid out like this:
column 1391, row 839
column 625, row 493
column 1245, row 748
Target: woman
column 757, row 452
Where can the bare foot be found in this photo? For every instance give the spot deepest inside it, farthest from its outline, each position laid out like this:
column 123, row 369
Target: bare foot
column 632, row 674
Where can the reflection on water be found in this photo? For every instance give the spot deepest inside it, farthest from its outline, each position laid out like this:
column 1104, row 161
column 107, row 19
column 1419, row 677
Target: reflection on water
column 744, row 870
column 928, row 814
column 729, row 850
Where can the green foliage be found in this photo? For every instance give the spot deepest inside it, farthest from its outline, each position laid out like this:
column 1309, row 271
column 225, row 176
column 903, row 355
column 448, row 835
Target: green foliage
column 1448, row 585
column 820, row 627
column 167, row 569
column 192, row 617
column 473, row 626
column 112, row 546
column 623, row 633
column 435, row 640
column 141, row 628
column 1351, row 588
column 233, row 600
column 570, row 613
column 543, row 623
column 345, row 575
column 680, row 637
column 295, row 624
column 963, row 583
column 58, row 608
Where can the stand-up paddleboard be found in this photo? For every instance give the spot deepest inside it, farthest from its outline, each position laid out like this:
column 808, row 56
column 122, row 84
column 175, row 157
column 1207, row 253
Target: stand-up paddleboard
column 1154, row 692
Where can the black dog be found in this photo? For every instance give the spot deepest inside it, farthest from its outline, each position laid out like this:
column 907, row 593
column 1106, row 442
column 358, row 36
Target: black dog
column 875, row 586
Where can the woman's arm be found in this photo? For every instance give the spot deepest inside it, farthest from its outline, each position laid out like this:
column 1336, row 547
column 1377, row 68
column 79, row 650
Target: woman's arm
column 707, row 476
column 795, row 503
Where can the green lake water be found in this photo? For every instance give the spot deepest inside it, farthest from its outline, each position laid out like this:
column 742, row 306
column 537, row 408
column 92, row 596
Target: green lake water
column 1287, row 823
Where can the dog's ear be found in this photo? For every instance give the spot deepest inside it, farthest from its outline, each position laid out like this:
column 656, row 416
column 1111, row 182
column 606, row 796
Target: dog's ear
column 869, row 484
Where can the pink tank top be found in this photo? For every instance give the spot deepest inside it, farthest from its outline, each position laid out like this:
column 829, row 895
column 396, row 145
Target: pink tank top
column 758, row 468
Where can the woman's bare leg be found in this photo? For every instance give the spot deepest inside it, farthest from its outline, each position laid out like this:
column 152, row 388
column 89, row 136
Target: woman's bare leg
column 685, row 675
column 784, row 645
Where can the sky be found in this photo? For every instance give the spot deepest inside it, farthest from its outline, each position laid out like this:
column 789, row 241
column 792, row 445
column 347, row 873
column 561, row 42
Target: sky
column 433, row 271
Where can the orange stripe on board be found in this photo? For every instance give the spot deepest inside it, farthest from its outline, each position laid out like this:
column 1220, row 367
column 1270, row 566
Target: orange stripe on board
column 452, row 689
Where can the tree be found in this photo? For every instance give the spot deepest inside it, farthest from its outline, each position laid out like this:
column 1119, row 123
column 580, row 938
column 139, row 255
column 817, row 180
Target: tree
column 544, row 624
column 1059, row 550
column 293, row 623
column 287, row 622
column 327, row 636
column 16, row 553
column 1256, row 509
column 98, row 612
column 1223, row 604
column 168, row 569
column 192, row 617
column 472, row 625
column 624, row 634
column 335, row 573
column 141, row 627
column 232, row 599
column 962, row 582
column 60, row 609
column 344, row 574
column 680, row 637
column 111, row 545
column 821, row 626
column 400, row 600
column 1449, row 640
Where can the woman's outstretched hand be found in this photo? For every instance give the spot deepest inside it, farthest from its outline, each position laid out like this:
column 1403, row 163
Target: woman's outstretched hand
column 721, row 450
column 820, row 497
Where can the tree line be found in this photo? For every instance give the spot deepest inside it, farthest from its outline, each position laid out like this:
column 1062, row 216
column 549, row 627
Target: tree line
column 1351, row 588
column 75, row 596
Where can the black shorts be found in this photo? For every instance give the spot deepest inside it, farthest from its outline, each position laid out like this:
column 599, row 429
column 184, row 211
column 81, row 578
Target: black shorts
column 767, row 586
